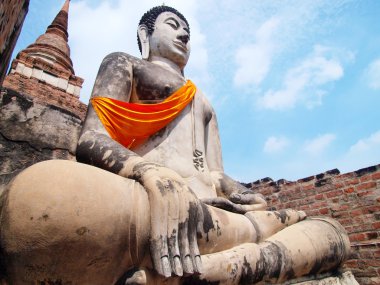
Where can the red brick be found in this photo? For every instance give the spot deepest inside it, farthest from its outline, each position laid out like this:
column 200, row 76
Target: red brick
column 352, row 181
column 355, row 213
column 333, row 193
column 365, row 193
column 345, row 222
column 367, row 185
column 304, row 207
column 338, row 185
column 318, row 197
column 371, row 209
column 376, row 225
column 372, row 262
column 349, row 190
column 308, row 187
column 351, row 263
column 376, row 176
column 365, row 178
column 324, row 211
column 357, row 237
column 372, row 235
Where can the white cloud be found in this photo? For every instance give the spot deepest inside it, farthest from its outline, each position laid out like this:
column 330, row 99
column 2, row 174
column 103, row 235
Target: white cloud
column 303, row 82
column 372, row 74
column 319, row 144
column 366, row 144
column 275, row 144
column 254, row 60
column 97, row 30
column 365, row 152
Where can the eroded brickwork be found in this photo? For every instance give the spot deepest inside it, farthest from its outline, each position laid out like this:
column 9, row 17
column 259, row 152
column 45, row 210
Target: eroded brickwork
column 12, row 15
column 45, row 93
column 351, row 198
column 31, row 132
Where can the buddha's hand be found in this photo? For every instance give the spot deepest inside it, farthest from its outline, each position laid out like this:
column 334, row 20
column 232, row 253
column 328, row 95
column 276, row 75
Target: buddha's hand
column 240, row 203
column 249, row 201
column 176, row 214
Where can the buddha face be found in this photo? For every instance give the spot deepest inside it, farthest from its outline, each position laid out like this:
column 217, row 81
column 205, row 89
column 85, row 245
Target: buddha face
column 170, row 39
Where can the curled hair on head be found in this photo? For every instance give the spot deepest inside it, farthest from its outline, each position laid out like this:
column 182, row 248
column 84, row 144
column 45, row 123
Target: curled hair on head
column 150, row 17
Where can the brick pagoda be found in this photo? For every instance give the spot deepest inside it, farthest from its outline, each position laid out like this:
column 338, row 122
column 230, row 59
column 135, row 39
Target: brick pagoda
column 44, row 70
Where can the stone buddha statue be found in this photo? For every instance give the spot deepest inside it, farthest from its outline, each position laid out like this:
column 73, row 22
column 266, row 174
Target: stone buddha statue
column 149, row 202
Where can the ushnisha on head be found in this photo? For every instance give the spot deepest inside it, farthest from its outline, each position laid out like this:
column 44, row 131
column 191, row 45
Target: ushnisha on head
column 164, row 34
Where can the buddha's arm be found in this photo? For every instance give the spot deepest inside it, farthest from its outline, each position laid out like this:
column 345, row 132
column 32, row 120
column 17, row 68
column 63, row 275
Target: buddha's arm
column 173, row 239
column 227, row 187
column 95, row 146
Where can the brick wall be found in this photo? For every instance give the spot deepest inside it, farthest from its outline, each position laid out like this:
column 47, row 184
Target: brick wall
column 45, row 93
column 351, row 198
column 12, row 15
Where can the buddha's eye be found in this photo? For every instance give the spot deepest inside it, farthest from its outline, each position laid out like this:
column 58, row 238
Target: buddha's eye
column 173, row 23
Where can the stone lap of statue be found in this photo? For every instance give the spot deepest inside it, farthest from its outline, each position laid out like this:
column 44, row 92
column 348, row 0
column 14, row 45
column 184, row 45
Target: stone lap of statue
column 82, row 225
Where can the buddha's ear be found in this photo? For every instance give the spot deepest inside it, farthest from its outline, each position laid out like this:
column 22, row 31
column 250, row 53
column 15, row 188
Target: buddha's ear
column 142, row 31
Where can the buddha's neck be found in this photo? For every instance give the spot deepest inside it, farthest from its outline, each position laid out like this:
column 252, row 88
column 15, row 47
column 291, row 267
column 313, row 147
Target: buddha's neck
column 167, row 64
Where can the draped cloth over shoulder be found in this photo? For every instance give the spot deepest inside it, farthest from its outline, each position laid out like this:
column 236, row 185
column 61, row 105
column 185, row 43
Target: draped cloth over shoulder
column 131, row 123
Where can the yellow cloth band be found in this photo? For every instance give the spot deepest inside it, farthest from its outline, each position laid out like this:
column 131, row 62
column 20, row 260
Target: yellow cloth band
column 131, row 123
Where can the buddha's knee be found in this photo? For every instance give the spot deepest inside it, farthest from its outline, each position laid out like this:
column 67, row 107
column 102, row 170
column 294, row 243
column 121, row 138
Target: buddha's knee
column 58, row 217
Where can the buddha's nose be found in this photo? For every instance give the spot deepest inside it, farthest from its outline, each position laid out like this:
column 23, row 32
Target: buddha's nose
column 184, row 38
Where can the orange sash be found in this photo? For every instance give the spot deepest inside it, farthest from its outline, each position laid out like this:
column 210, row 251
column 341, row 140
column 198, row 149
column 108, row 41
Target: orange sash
column 131, row 123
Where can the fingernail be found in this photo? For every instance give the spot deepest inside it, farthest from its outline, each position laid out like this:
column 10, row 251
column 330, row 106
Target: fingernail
column 198, row 264
column 178, row 266
column 166, row 266
column 188, row 265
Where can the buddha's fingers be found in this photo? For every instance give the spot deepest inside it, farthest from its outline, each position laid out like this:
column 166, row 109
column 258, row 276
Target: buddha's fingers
column 195, row 215
column 174, row 253
column 159, row 227
column 183, row 235
column 257, row 201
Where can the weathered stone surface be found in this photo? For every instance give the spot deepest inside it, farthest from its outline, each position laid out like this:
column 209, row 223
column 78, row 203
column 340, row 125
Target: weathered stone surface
column 12, row 15
column 31, row 132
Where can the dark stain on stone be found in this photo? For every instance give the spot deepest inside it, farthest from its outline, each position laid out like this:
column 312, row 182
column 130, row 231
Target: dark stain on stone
column 44, row 217
column 126, row 275
column 82, row 230
column 366, row 170
column 24, row 103
column 335, row 256
column 281, row 215
column 247, row 276
column 334, row 171
column 320, row 176
column 133, row 243
column 92, row 150
column 322, row 182
column 161, row 187
column 208, row 224
column 140, row 168
column 195, row 280
column 306, row 179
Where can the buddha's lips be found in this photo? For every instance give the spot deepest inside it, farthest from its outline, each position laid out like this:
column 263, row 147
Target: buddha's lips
column 180, row 45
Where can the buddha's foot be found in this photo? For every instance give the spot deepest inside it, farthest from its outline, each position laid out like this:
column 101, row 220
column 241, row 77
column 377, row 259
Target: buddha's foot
column 313, row 246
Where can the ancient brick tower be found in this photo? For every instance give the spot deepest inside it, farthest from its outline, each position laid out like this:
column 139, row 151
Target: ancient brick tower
column 44, row 70
column 40, row 111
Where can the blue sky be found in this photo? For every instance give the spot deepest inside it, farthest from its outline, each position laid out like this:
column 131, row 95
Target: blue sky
column 295, row 84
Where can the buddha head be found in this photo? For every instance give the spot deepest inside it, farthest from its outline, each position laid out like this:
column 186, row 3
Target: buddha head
column 164, row 32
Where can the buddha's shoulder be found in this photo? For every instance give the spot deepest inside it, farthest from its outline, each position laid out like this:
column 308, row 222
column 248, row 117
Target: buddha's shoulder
column 123, row 58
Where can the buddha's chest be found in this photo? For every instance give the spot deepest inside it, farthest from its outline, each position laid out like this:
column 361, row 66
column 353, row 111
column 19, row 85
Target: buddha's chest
column 153, row 85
